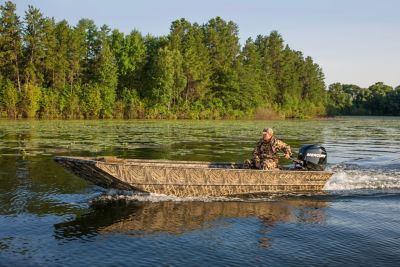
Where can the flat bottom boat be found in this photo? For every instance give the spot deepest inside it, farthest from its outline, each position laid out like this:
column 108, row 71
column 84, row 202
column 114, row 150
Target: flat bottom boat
column 191, row 178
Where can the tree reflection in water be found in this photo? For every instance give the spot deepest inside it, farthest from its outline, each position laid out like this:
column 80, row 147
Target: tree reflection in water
column 149, row 218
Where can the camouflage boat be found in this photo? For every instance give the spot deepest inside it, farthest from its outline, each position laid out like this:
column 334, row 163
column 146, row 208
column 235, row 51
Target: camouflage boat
column 191, row 178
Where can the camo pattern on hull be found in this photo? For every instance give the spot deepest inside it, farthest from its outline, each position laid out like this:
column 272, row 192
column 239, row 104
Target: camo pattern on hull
column 185, row 179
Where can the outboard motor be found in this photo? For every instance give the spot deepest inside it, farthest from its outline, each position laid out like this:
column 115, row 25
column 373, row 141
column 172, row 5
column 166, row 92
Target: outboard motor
column 311, row 158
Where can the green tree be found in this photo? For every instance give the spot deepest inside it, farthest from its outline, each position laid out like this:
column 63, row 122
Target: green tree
column 313, row 85
column 30, row 100
column 339, row 101
column 150, row 69
column 87, row 31
column 106, row 74
column 196, row 64
column 132, row 106
column 270, row 49
column 34, row 35
column 313, row 88
column 359, row 98
column 289, row 83
column 169, row 77
column 377, row 101
column 91, row 101
column 222, row 42
column 77, row 53
column 9, row 98
column 250, row 75
column 62, row 67
column 49, row 103
column 10, row 43
column 50, row 47
column 394, row 102
column 70, row 102
column 130, row 56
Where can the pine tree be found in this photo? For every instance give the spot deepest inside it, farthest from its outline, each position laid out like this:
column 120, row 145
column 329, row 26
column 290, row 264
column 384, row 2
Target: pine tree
column 34, row 38
column 250, row 77
column 268, row 82
column 77, row 54
column 169, row 77
column 289, row 84
column 88, row 33
column 10, row 44
column 189, row 40
column 62, row 68
column 107, row 75
column 273, row 60
column 196, row 64
column 223, row 44
column 150, row 69
column 50, row 47
column 313, row 81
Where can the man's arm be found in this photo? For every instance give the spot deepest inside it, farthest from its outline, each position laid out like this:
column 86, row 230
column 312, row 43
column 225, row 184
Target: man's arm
column 285, row 148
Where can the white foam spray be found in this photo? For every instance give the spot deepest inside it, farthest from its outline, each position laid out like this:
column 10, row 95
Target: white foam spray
column 363, row 178
column 114, row 195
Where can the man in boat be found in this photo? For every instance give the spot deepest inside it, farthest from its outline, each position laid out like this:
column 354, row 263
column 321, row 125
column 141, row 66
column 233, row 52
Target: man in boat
column 265, row 154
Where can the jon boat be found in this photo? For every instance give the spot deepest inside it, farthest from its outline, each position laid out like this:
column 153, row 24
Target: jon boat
column 191, row 178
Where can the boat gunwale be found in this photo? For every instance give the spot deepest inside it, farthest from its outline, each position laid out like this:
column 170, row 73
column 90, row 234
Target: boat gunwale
column 174, row 164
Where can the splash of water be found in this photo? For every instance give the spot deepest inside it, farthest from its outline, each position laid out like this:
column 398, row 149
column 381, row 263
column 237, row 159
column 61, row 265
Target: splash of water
column 358, row 176
column 115, row 195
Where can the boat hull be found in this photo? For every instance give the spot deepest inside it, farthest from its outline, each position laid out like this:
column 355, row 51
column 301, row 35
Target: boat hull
column 187, row 179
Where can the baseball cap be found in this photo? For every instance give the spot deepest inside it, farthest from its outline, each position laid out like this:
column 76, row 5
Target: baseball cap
column 268, row 130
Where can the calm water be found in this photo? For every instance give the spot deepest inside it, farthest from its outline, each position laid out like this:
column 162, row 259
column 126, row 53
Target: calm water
column 49, row 217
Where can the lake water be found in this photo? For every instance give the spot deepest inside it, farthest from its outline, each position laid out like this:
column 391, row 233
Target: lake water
column 49, row 217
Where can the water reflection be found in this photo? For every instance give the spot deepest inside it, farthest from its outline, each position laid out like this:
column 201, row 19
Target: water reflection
column 175, row 218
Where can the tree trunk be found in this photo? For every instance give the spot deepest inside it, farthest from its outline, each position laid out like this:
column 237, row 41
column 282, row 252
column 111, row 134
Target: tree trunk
column 17, row 68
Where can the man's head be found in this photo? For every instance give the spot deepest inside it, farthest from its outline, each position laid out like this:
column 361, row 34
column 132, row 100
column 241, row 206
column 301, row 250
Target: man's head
column 267, row 134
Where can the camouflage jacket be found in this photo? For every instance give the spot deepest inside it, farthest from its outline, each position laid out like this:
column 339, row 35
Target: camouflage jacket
column 269, row 149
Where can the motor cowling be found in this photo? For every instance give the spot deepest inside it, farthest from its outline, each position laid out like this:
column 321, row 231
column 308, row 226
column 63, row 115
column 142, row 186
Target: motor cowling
column 312, row 158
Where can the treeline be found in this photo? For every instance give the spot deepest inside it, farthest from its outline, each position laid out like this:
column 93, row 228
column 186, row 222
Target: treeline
column 51, row 69
column 350, row 99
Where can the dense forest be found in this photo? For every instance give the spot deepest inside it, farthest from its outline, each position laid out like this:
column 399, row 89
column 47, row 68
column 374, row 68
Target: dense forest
column 51, row 69
column 350, row 99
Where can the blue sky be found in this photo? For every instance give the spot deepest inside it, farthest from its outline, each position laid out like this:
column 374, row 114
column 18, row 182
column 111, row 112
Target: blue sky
column 354, row 41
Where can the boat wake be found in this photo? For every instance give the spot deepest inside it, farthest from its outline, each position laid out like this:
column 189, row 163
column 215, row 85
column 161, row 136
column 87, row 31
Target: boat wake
column 112, row 195
column 117, row 195
column 365, row 174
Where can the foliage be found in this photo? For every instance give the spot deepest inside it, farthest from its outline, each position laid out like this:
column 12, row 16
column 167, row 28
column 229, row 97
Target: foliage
column 69, row 101
column 350, row 99
column 10, row 43
column 52, row 69
column 9, row 98
column 49, row 103
column 30, row 100
column 91, row 100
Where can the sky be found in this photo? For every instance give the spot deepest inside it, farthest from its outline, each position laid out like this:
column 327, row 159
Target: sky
column 353, row 41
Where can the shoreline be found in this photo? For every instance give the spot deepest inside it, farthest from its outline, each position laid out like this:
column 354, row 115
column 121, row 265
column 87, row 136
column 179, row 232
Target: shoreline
column 319, row 118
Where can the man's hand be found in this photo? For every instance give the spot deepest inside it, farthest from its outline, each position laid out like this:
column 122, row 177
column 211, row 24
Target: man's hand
column 287, row 156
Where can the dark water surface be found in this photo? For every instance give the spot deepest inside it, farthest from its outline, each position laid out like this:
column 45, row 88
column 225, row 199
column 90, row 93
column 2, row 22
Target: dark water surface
column 49, row 217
